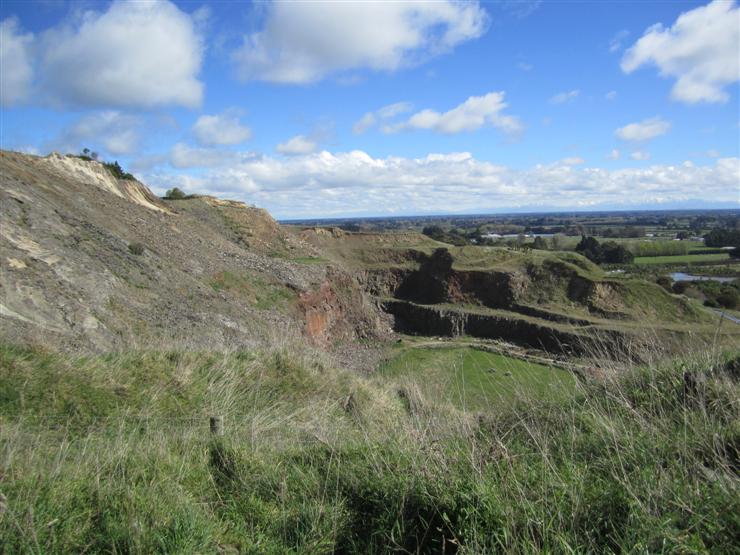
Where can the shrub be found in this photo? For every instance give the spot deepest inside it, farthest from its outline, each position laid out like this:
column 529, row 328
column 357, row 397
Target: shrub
column 728, row 298
column 665, row 283
column 117, row 171
column 136, row 248
column 680, row 287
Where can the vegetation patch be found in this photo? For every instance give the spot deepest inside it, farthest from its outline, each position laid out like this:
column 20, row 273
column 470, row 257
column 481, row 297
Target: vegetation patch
column 317, row 460
column 263, row 294
column 477, row 380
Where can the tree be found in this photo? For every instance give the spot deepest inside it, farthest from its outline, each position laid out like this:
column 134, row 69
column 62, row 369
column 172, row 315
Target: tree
column 539, row 243
column 557, row 241
column 720, row 237
column 590, row 248
column 614, row 253
column 175, row 194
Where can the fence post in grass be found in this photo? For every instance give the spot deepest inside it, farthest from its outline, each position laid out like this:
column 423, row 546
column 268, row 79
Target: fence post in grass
column 217, row 425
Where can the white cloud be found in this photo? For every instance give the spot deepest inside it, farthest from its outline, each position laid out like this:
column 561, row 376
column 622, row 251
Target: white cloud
column 111, row 130
column 184, row 156
column 15, row 61
column 520, row 8
column 136, row 54
column 472, row 114
column 370, row 119
column 611, row 95
column 712, row 153
column 640, row 155
column 326, row 183
column 563, row 97
column 700, row 50
column 302, row 42
column 614, row 154
column 525, row 66
column 644, row 130
column 221, row 129
column 297, row 145
column 572, row 161
column 615, row 43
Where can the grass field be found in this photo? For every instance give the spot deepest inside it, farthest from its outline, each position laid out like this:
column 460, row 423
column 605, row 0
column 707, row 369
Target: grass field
column 682, row 259
column 475, row 380
column 112, row 454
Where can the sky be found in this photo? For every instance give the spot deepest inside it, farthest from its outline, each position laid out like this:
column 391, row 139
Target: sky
column 341, row 109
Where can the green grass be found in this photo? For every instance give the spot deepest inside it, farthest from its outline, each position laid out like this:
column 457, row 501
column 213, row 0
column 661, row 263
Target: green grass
column 111, row 454
column 263, row 294
column 476, row 380
column 682, row 259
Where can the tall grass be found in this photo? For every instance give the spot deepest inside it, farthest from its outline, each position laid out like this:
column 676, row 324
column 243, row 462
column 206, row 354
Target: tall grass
column 112, row 454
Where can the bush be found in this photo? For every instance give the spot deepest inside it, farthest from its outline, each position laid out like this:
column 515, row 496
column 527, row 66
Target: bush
column 665, row 283
column 117, row 171
column 680, row 287
column 136, row 248
column 728, row 298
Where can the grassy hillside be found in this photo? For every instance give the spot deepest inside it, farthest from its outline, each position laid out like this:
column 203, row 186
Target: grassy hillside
column 112, row 453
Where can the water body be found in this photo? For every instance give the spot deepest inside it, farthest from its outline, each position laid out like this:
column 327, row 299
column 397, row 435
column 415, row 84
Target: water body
column 680, row 276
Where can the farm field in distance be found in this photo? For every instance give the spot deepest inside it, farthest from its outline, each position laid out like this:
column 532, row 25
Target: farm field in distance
column 684, row 258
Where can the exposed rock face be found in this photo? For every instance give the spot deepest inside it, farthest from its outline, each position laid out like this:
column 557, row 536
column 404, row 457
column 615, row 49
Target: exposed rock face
column 430, row 320
column 201, row 272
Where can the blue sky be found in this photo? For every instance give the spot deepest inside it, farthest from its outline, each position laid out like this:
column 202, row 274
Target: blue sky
column 319, row 109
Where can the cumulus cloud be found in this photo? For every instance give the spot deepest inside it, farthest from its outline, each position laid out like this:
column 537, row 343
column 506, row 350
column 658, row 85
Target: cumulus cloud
column 325, row 183
column 611, row 95
column 614, row 154
column 563, row 97
column 111, row 130
column 471, row 115
column 640, row 155
column 297, row 145
column 302, row 42
column 700, row 50
column 15, row 61
column 221, row 129
column 370, row 119
column 644, row 130
column 135, row 54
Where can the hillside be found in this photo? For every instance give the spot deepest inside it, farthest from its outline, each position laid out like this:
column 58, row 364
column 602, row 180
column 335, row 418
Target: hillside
column 189, row 376
column 91, row 261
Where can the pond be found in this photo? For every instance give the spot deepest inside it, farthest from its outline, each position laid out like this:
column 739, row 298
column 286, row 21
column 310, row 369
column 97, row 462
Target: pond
column 680, row 276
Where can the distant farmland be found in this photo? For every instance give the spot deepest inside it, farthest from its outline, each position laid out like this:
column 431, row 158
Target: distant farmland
column 682, row 259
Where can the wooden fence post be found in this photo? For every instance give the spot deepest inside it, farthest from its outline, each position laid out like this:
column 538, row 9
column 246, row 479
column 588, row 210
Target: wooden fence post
column 217, row 425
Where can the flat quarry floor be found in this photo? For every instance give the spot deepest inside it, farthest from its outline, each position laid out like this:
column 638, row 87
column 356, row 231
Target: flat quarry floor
column 476, row 380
